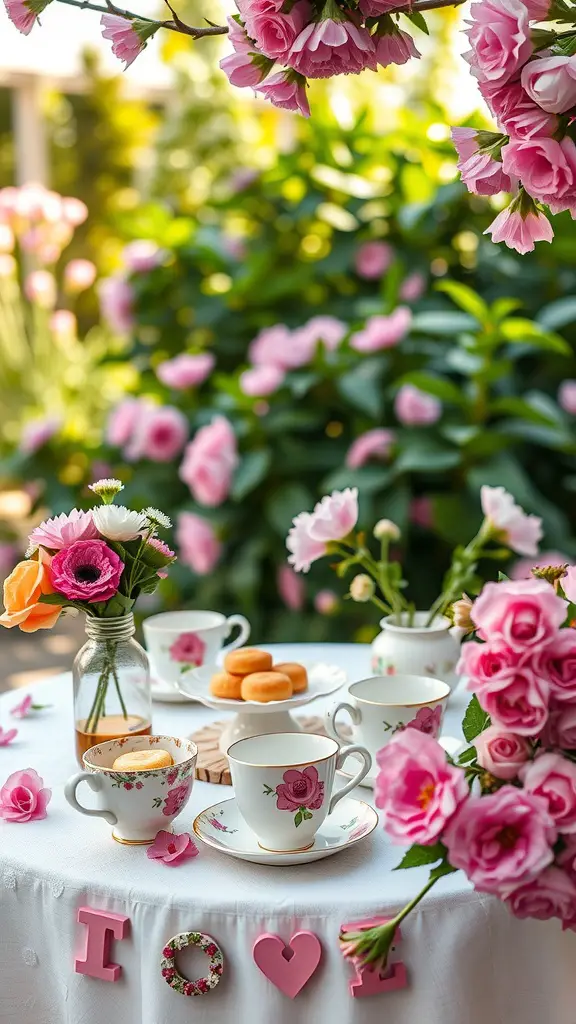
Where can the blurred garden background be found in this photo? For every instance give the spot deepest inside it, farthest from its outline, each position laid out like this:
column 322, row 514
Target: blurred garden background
column 177, row 252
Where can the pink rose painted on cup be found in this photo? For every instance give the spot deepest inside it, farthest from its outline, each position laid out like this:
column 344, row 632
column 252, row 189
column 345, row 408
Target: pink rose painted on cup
column 524, row 614
column 176, row 799
column 501, row 753
column 551, row 894
column 553, row 777
column 427, row 720
column 300, row 793
column 23, row 797
column 188, row 649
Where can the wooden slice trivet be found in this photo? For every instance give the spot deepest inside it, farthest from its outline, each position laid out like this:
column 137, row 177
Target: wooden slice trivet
column 212, row 765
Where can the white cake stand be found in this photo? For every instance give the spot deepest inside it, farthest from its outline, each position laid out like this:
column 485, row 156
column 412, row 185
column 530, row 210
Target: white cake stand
column 253, row 718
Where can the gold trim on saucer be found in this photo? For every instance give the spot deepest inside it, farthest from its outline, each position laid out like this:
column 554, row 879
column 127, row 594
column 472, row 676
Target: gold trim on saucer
column 301, row 849
column 132, row 842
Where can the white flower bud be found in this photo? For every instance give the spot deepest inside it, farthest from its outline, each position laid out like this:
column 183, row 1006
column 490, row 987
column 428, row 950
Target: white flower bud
column 362, row 588
column 385, row 528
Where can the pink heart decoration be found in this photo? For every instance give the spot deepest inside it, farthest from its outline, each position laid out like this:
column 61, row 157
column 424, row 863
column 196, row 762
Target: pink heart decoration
column 288, row 974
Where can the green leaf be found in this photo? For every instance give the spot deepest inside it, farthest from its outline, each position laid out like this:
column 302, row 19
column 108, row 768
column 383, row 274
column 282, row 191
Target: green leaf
column 475, row 720
column 419, row 20
column 466, row 299
column 433, row 385
column 443, row 322
column 425, row 455
column 361, row 386
column 251, row 471
column 298, row 819
column 368, row 479
column 443, row 869
column 467, row 755
column 418, row 855
column 558, row 314
column 285, row 503
column 520, row 331
column 520, row 407
column 503, row 307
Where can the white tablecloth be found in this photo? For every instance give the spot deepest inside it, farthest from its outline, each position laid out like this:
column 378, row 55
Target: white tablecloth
column 468, row 960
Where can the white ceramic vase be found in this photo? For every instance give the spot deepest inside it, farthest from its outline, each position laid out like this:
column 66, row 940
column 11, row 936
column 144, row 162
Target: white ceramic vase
column 418, row 650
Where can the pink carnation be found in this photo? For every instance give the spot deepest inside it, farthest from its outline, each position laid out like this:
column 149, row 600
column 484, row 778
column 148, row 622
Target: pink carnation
column 128, row 37
column 209, row 462
column 64, row 530
column 186, row 371
column 286, row 90
column 395, row 47
column 23, row 797
column 521, row 614
column 199, row 547
column 244, row 68
column 327, row 48
column 382, row 332
column 520, row 231
column 291, row 588
column 502, row 753
column 500, row 39
column 88, row 570
column 373, row 259
column 502, row 840
column 416, row 788
column 553, row 778
column 550, row 894
column 416, row 408
column 159, row 435
column 480, row 172
column 374, row 444
column 519, row 531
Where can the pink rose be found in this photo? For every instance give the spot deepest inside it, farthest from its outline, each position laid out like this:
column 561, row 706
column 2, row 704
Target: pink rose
column 515, row 112
column 416, row 788
column 518, row 702
column 303, row 548
column 550, row 894
column 327, row 48
column 382, row 331
column 374, row 444
column 273, row 31
column 209, row 462
column 551, row 83
column 502, row 840
column 300, row 789
column 395, row 47
column 159, row 435
column 519, row 531
column 373, row 259
column 519, row 230
column 199, row 548
column 427, row 720
column 88, row 570
column 188, row 649
column 414, row 408
column 261, row 380
column 176, row 799
column 335, row 516
column 483, row 663
column 186, row 371
column 501, row 753
column 238, row 36
column 122, row 422
column 271, row 347
column 560, row 728
column 522, row 614
column 500, row 39
column 117, row 300
column 567, row 396
column 245, row 68
column 286, row 90
column 291, row 588
column 23, row 798
column 569, row 583
column 557, row 663
column 553, row 778
column 547, row 168
column 480, row 172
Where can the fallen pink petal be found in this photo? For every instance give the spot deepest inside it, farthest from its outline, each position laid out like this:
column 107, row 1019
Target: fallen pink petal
column 172, row 849
column 7, row 735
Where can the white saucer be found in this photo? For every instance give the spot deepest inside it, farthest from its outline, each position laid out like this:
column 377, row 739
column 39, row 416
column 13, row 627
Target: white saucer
column 165, row 692
column 322, row 680
column 223, row 828
column 451, row 744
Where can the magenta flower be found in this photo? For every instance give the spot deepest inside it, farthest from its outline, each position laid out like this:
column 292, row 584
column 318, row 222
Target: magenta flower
column 274, row 31
column 326, row 48
column 160, row 435
column 427, row 720
column 23, row 709
column 300, row 789
column 198, row 545
column 172, row 849
column 286, row 90
column 553, row 777
column 189, row 649
column 128, row 38
column 176, row 799
column 7, row 735
column 87, row 571
column 186, row 371
column 520, row 230
column 23, row 13
column 64, row 530
column 23, row 798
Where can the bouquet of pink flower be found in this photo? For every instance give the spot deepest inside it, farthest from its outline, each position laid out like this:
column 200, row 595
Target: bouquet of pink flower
column 505, row 812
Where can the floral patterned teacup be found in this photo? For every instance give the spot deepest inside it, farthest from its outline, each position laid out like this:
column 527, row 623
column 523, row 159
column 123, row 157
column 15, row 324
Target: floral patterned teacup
column 137, row 803
column 178, row 641
column 384, row 705
column 283, row 785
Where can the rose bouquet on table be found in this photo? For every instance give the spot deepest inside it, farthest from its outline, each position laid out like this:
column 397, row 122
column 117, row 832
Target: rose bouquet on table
column 505, row 811
column 330, row 530
column 97, row 562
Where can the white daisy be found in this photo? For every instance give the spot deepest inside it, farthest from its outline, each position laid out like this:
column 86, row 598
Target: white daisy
column 158, row 518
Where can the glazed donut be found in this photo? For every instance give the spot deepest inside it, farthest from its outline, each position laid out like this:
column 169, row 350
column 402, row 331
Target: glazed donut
column 142, row 761
column 295, row 672
column 246, row 660
column 266, row 686
column 224, row 684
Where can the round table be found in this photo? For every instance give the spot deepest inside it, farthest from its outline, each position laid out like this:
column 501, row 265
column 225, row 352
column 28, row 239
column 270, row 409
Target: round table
column 468, row 961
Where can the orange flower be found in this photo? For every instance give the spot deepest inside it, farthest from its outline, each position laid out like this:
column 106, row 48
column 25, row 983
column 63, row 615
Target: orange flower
column 22, row 590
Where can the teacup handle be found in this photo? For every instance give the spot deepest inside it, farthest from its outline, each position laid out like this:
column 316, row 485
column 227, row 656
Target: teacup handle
column 361, row 774
column 95, row 783
column 330, row 719
column 244, row 627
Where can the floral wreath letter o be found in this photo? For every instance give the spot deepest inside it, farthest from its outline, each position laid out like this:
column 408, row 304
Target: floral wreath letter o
column 176, row 981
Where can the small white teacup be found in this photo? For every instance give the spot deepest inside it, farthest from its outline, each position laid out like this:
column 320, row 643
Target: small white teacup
column 383, row 705
column 283, row 784
column 137, row 803
column 178, row 641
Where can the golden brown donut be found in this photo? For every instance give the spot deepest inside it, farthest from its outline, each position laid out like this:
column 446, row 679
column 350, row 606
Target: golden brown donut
column 246, row 660
column 224, row 684
column 297, row 673
column 266, row 686
column 142, row 761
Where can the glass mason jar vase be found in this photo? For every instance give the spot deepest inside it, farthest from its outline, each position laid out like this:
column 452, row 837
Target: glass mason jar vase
column 111, row 684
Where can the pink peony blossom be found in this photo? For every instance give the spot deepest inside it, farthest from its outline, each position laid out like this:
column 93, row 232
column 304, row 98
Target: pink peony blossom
column 199, row 547
column 88, row 570
column 480, row 172
column 158, row 436
column 23, row 709
column 272, row 30
column 40, row 288
column 272, row 347
column 335, row 516
column 116, row 302
column 522, row 569
column 291, row 588
column 501, row 753
column 412, row 287
column 23, row 797
column 550, row 894
column 209, row 462
column 553, row 778
column 374, row 444
column 395, row 47
column 176, row 799
column 326, row 602
column 64, row 530
column 122, row 422
column 245, row 68
column 185, row 370
column 36, row 433
column 415, row 408
column 427, row 720
column 382, row 331
column 63, row 324
column 128, row 38
column 416, row 788
column 327, row 48
column 551, row 83
column 172, row 849
column 502, row 840
column 286, row 90
column 327, row 329
column 142, row 256
column 557, row 663
column 300, row 789
column 261, row 380
column 500, row 39
column 79, row 275
column 520, row 231
column 373, row 259
column 188, row 649
column 7, row 735
column 567, row 396
column 303, row 548
column 546, row 167
column 514, row 528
